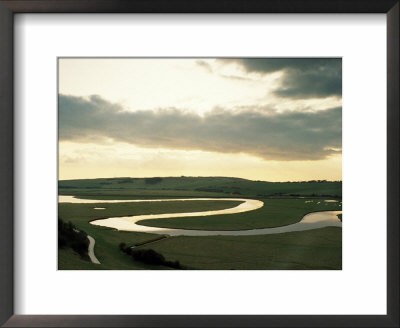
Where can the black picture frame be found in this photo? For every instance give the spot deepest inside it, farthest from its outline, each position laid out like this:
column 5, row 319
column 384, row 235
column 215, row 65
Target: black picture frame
column 10, row 7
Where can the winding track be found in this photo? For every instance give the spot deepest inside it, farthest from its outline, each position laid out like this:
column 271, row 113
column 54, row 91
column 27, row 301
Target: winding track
column 130, row 223
column 93, row 257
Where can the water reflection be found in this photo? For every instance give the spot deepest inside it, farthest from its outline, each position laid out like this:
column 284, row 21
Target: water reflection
column 131, row 223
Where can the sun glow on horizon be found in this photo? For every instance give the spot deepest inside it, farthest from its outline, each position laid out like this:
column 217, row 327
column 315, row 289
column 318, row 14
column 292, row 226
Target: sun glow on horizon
column 259, row 120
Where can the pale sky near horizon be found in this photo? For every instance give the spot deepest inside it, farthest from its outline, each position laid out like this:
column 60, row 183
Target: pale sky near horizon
column 260, row 119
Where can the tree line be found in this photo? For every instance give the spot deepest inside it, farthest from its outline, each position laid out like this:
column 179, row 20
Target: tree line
column 70, row 236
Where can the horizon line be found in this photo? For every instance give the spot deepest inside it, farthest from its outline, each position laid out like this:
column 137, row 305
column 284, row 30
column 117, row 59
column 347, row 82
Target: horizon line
column 200, row 176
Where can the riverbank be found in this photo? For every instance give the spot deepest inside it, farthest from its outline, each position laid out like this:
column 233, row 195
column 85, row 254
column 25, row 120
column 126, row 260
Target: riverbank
column 130, row 223
column 312, row 249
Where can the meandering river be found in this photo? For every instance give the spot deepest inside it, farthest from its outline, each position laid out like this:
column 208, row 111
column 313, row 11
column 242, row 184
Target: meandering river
column 131, row 223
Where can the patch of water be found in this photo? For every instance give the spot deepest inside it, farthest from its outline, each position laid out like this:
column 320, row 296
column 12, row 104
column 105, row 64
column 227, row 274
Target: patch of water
column 131, row 223
column 310, row 221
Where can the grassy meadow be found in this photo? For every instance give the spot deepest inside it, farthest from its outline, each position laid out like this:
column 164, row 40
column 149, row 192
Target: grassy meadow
column 124, row 188
column 284, row 203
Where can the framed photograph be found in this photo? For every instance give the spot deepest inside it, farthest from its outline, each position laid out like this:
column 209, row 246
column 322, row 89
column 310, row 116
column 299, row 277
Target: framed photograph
column 199, row 168
column 188, row 164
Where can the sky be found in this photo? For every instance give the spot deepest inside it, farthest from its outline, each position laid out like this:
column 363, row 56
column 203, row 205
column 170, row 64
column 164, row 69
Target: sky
column 270, row 119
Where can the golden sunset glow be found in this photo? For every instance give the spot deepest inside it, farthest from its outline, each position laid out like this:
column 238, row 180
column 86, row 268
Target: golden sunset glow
column 260, row 120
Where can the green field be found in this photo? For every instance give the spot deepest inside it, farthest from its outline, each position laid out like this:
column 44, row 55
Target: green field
column 314, row 249
column 270, row 215
column 307, row 250
column 122, row 188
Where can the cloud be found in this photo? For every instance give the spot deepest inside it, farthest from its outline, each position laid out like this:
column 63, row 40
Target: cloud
column 269, row 135
column 303, row 78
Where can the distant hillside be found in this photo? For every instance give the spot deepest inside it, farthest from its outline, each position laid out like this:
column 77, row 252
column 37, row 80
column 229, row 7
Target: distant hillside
column 197, row 186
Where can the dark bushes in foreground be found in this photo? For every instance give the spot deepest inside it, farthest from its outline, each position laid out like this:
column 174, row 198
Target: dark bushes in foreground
column 149, row 256
column 69, row 236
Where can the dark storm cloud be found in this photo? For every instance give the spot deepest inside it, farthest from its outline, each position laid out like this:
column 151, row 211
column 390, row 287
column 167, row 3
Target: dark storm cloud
column 304, row 77
column 271, row 135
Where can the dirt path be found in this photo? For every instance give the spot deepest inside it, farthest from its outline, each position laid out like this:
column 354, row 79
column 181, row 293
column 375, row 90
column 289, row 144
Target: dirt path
column 93, row 257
